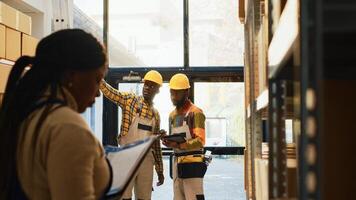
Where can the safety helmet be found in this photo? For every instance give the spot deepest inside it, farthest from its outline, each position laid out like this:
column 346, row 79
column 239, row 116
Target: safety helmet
column 153, row 76
column 179, row 82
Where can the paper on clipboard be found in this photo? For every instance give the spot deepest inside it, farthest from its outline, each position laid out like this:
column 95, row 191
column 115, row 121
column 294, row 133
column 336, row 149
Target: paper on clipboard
column 125, row 162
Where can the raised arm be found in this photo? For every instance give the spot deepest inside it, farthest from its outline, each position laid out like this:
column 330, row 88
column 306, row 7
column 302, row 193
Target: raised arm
column 114, row 95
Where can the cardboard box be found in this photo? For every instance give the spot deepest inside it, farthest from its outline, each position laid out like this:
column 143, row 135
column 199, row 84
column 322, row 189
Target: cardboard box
column 25, row 23
column 261, row 179
column 292, row 178
column 4, row 74
column 29, row 44
column 15, row 19
column 8, row 16
column 13, row 44
column 2, row 41
column 1, row 96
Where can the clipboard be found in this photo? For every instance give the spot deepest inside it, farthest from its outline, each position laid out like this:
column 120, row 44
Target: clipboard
column 179, row 138
column 125, row 161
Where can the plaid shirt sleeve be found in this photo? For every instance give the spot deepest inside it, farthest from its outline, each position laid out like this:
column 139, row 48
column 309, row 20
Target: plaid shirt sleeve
column 114, row 95
column 157, row 147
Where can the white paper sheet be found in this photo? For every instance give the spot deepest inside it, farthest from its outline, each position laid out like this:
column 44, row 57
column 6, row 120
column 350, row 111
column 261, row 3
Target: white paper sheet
column 126, row 161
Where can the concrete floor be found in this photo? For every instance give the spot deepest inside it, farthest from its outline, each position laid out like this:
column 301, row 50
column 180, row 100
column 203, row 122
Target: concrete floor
column 224, row 180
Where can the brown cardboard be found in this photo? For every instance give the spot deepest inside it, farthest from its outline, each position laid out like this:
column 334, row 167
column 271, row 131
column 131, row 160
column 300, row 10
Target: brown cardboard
column 13, row 44
column 337, row 152
column 261, row 179
column 25, row 23
column 292, row 182
column 8, row 16
column 1, row 96
column 2, row 41
column 4, row 73
column 29, row 44
column 242, row 11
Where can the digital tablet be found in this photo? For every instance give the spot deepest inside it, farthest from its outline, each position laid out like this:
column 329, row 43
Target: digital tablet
column 179, row 138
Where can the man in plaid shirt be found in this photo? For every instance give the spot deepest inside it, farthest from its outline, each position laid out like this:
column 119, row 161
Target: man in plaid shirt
column 139, row 120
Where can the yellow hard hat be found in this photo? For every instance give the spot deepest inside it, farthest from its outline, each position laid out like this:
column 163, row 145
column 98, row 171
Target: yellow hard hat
column 179, row 82
column 153, row 76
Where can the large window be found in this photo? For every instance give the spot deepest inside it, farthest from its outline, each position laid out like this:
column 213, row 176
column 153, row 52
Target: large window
column 150, row 33
column 223, row 105
column 216, row 37
column 146, row 33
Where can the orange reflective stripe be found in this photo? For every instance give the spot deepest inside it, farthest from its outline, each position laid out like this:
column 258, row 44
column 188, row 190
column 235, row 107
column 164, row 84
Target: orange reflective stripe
column 200, row 133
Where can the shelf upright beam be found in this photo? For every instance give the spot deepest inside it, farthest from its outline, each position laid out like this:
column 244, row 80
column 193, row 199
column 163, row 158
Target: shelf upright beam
column 277, row 144
column 311, row 99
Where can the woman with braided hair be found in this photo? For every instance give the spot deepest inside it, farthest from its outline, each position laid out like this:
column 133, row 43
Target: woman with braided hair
column 47, row 149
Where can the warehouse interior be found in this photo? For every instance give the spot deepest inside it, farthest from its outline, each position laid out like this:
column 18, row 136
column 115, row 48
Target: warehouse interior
column 275, row 78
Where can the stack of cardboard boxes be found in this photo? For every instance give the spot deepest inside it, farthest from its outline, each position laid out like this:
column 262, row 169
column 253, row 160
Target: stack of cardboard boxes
column 15, row 40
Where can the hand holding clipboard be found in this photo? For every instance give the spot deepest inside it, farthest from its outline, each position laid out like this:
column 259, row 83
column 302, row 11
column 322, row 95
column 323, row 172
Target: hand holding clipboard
column 124, row 162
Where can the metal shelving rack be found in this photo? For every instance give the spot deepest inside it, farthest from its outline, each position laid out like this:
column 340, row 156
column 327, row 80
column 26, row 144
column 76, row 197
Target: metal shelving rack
column 311, row 79
column 328, row 73
column 274, row 101
column 282, row 59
